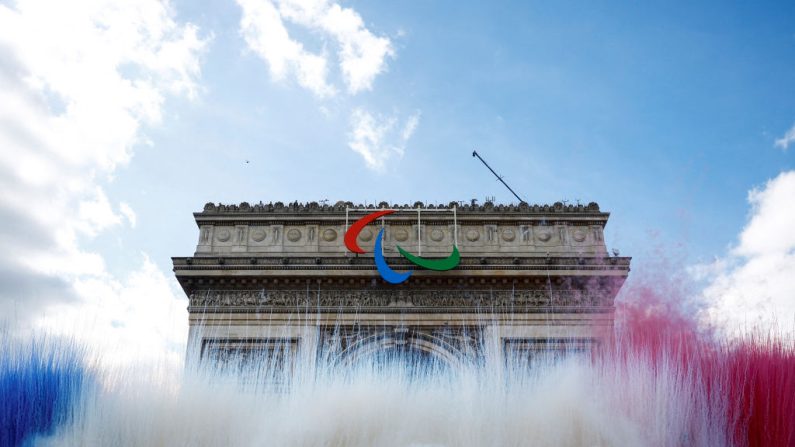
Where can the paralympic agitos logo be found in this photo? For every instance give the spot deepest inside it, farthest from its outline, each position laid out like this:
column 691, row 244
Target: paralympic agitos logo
column 384, row 270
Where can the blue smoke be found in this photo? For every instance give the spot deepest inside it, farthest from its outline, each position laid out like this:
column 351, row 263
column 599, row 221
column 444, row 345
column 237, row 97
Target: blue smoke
column 40, row 383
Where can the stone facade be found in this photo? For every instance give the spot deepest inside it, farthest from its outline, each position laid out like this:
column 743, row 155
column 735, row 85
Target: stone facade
column 529, row 275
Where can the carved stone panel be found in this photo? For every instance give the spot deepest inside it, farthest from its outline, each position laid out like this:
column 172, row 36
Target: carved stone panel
column 240, row 238
column 562, row 233
column 598, row 235
column 277, row 235
column 258, row 234
column 578, row 235
column 205, row 244
column 491, row 234
column 526, row 235
column 437, row 235
column 401, row 234
column 223, row 234
column 544, row 236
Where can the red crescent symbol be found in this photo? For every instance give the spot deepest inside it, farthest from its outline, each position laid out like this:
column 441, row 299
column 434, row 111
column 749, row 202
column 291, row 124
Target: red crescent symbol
column 353, row 231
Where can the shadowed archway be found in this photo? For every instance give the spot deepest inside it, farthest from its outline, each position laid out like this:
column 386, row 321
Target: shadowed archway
column 414, row 351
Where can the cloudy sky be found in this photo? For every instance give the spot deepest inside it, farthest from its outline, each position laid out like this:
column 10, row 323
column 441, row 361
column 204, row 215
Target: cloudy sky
column 119, row 119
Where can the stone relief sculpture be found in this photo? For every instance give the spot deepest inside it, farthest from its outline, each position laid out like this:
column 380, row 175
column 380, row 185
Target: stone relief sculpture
column 597, row 233
column 526, row 236
column 291, row 299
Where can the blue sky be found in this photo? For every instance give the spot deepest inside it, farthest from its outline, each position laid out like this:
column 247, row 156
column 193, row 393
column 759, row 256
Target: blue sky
column 667, row 115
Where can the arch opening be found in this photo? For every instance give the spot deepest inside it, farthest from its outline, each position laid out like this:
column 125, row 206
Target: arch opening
column 409, row 360
column 411, row 357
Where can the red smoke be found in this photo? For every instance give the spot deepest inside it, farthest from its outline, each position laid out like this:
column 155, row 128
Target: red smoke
column 754, row 377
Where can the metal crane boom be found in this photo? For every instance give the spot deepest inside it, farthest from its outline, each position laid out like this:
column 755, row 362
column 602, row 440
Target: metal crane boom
column 475, row 154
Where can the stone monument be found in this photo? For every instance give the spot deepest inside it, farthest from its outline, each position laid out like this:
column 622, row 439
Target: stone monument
column 277, row 279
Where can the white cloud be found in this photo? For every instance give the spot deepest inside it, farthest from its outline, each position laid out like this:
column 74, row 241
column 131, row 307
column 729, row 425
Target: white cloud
column 361, row 54
column 137, row 318
column 378, row 139
column 410, row 127
column 95, row 214
column 753, row 286
column 128, row 214
column 78, row 81
column 787, row 139
column 266, row 35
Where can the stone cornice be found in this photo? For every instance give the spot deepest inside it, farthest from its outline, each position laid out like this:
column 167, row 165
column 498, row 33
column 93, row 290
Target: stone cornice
column 541, row 219
column 367, row 262
column 340, row 207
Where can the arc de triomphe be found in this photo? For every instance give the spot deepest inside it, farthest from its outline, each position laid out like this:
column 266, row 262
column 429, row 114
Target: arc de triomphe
column 532, row 278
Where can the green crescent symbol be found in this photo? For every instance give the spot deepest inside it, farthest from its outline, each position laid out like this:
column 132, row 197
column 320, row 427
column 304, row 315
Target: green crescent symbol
column 439, row 265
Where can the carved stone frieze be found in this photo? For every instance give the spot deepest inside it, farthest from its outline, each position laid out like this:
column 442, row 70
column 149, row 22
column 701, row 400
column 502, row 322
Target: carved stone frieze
column 472, row 299
column 478, row 230
column 488, row 240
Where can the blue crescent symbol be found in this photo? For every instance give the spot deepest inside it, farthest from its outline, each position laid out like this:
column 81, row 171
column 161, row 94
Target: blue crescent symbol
column 387, row 273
